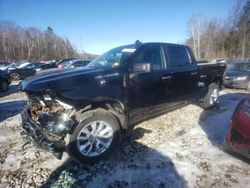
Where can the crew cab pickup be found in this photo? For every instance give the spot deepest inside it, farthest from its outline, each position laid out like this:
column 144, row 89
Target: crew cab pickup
column 84, row 111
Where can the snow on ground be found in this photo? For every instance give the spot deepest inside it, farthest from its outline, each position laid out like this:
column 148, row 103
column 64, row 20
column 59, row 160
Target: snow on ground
column 199, row 154
column 183, row 148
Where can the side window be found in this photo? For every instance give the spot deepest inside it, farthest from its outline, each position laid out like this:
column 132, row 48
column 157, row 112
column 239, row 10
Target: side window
column 178, row 56
column 30, row 66
column 152, row 55
column 77, row 64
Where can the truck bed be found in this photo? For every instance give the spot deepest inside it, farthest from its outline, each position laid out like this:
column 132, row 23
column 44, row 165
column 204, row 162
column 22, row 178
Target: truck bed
column 212, row 70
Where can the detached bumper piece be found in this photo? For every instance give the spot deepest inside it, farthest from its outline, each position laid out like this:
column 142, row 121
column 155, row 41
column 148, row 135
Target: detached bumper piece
column 40, row 138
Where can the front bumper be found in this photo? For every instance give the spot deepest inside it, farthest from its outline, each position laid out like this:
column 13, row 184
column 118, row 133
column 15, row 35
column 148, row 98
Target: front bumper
column 38, row 136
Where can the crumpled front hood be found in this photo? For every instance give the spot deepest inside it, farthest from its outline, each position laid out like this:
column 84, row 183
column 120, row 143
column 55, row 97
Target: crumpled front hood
column 58, row 79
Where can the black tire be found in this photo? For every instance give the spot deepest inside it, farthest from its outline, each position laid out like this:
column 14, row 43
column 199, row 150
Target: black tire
column 4, row 86
column 208, row 101
column 15, row 76
column 74, row 143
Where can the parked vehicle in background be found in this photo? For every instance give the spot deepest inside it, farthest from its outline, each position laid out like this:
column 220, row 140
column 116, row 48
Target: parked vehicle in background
column 219, row 61
column 64, row 60
column 53, row 64
column 93, row 105
column 23, row 71
column 237, row 75
column 4, row 80
column 202, row 62
column 75, row 63
column 4, row 65
column 238, row 136
column 15, row 64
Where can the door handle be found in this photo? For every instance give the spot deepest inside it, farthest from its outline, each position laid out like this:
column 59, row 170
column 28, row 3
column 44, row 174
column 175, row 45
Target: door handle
column 193, row 73
column 166, row 77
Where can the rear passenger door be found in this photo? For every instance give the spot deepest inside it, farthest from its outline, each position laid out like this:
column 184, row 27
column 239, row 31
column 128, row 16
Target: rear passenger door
column 185, row 74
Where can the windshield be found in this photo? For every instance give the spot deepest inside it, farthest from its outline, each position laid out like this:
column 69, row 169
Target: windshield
column 23, row 65
column 112, row 58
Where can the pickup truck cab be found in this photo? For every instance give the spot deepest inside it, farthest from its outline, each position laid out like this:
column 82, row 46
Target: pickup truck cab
column 84, row 111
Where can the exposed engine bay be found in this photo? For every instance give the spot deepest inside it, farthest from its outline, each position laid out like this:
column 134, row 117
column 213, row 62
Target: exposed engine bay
column 53, row 115
column 51, row 121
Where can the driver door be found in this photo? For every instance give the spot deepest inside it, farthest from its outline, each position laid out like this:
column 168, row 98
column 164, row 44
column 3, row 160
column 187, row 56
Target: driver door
column 147, row 91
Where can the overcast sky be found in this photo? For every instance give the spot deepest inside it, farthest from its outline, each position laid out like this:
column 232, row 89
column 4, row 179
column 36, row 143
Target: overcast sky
column 97, row 25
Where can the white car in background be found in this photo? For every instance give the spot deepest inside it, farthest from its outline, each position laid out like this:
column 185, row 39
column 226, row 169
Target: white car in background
column 4, row 65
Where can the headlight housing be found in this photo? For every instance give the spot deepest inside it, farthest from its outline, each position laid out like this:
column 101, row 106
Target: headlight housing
column 241, row 78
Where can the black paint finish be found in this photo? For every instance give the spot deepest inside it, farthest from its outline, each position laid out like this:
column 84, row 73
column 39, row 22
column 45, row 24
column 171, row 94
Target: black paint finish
column 142, row 94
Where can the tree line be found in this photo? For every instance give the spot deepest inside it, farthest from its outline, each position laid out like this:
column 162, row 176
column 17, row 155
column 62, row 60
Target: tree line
column 209, row 38
column 18, row 43
column 214, row 38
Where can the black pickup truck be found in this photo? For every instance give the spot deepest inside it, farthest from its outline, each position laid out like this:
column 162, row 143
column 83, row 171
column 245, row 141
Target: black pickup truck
column 84, row 111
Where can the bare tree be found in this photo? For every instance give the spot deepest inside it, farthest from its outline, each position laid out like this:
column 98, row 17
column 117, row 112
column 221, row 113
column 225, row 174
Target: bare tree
column 32, row 43
column 214, row 38
column 196, row 28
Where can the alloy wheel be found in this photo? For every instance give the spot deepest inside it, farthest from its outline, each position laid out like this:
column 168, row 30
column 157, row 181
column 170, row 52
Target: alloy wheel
column 15, row 76
column 95, row 138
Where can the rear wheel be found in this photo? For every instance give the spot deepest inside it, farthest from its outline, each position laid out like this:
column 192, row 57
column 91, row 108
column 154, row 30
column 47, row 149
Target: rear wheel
column 4, row 86
column 94, row 138
column 211, row 97
column 15, row 76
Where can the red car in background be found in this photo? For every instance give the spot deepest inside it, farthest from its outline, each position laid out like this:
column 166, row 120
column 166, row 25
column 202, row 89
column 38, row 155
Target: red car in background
column 238, row 136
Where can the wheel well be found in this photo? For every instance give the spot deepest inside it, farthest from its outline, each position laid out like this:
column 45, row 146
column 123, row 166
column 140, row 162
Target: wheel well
column 113, row 107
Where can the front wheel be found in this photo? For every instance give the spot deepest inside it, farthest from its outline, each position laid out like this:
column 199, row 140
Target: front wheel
column 211, row 97
column 94, row 138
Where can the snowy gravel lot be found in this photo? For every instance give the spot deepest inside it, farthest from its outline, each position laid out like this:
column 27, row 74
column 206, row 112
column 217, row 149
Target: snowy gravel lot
column 183, row 148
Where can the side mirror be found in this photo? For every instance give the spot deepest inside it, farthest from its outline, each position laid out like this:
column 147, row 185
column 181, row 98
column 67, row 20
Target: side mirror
column 141, row 67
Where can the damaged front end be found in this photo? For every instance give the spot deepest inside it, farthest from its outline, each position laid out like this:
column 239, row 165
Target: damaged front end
column 46, row 122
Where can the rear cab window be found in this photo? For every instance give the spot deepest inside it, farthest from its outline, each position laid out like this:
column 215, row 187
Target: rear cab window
column 178, row 56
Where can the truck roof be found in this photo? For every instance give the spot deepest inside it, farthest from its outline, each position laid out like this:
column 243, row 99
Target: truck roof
column 163, row 43
column 136, row 45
